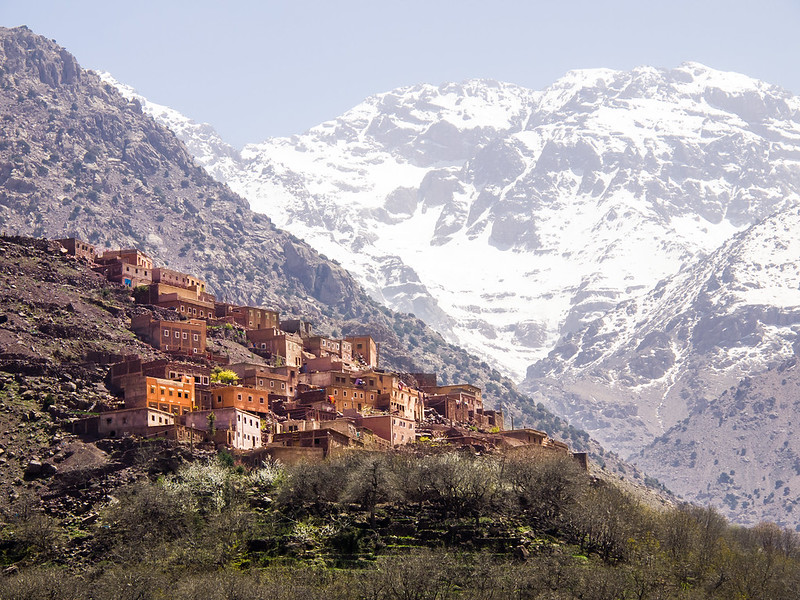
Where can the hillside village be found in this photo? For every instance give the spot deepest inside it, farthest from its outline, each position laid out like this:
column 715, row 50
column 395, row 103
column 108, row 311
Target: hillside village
column 299, row 396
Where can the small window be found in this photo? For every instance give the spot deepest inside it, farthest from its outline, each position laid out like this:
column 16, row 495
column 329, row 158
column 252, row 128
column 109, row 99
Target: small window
column 183, row 308
column 249, row 398
column 166, row 333
column 272, row 384
column 177, row 335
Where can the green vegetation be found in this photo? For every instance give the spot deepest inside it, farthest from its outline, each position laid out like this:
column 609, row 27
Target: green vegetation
column 437, row 525
column 220, row 375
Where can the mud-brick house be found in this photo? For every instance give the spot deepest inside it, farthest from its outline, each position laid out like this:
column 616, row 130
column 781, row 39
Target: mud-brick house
column 289, row 346
column 396, row 396
column 142, row 421
column 129, row 267
column 278, row 382
column 187, row 307
column 459, row 403
column 395, row 429
column 181, row 337
column 161, row 368
column 174, row 396
column 344, row 389
column 365, row 349
column 248, row 399
column 302, row 328
column 527, row 437
column 78, row 248
column 248, row 317
column 182, row 292
column 322, row 347
column 332, row 437
column 231, row 427
column 194, row 286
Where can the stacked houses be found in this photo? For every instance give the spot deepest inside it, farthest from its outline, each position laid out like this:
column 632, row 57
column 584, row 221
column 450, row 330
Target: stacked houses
column 303, row 395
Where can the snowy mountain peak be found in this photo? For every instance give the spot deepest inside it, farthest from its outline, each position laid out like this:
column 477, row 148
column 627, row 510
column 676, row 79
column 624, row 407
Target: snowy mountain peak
column 509, row 217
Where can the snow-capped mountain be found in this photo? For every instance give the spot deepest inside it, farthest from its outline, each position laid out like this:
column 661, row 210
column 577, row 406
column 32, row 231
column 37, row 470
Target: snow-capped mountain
column 659, row 358
column 508, row 218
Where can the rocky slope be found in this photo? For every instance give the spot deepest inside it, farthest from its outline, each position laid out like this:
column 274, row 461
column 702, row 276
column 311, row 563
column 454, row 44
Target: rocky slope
column 739, row 451
column 655, row 368
column 507, row 218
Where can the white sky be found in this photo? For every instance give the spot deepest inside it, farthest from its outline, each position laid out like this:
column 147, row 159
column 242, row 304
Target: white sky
column 255, row 69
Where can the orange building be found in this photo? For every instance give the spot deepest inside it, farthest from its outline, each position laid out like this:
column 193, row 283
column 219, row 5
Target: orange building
column 175, row 396
column 248, row 399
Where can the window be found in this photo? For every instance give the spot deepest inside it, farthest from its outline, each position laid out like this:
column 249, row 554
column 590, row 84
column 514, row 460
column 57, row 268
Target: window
column 163, row 391
column 205, row 380
column 249, row 398
column 261, row 399
column 166, row 333
column 185, row 335
column 203, row 315
column 238, row 396
column 177, row 335
column 272, row 384
column 283, row 386
column 183, row 308
column 219, row 399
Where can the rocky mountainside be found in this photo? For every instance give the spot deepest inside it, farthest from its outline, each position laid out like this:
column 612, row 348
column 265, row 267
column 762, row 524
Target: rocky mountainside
column 655, row 367
column 739, row 451
column 507, row 218
column 77, row 158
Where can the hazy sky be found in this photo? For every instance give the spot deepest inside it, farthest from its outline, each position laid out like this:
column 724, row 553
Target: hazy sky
column 260, row 69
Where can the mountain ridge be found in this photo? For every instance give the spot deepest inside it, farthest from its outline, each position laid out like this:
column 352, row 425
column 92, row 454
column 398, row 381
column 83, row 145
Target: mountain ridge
column 600, row 155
